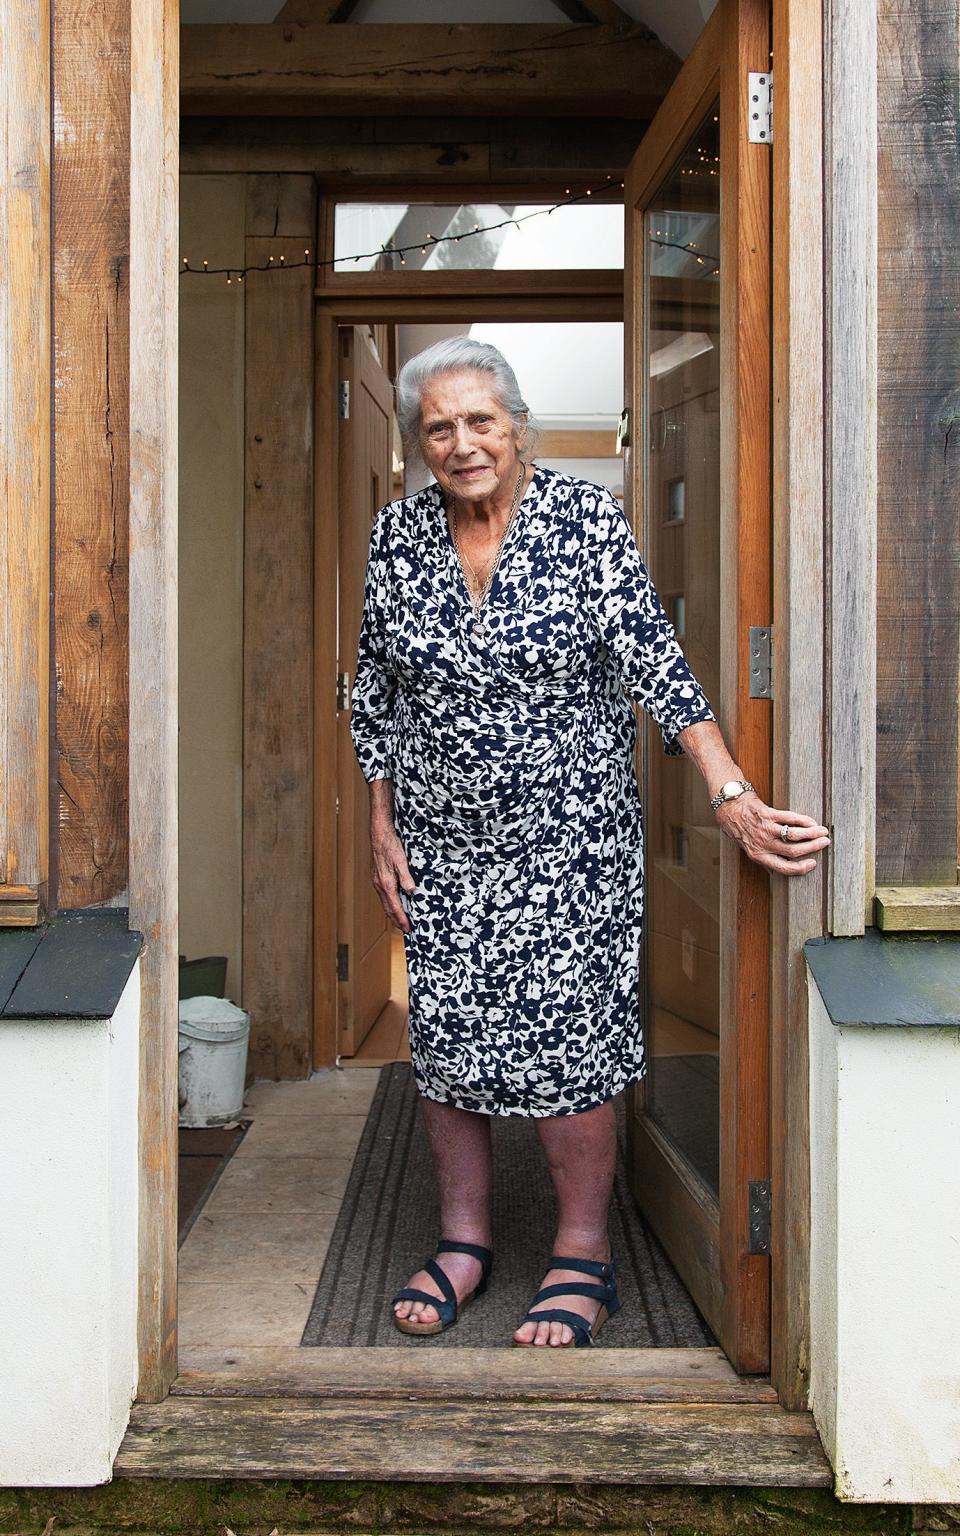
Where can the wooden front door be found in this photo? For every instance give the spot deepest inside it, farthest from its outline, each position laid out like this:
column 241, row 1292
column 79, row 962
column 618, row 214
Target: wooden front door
column 365, row 464
column 698, row 380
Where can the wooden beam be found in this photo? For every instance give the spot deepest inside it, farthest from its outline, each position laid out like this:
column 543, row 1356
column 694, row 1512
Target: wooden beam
column 476, row 152
column 154, row 907
column 918, row 908
column 278, row 622
column 798, row 706
column 918, row 550
column 583, row 444
column 383, row 70
column 91, row 173
column 466, row 1441
column 25, row 428
column 319, row 11
column 850, row 404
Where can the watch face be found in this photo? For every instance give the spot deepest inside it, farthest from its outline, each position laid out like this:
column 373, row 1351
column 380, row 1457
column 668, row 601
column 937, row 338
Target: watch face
column 732, row 788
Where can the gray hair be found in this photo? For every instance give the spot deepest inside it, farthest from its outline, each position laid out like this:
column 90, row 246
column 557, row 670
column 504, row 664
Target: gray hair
column 460, row 354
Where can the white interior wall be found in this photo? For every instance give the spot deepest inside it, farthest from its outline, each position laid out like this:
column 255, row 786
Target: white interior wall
column 68, row 1264
column 212, row 222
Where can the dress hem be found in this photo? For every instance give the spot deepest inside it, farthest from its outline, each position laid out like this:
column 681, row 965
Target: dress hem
column 521, row 1114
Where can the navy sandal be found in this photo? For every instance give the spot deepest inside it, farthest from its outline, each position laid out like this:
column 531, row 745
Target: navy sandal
column 606, row 1294
column 446, row 1305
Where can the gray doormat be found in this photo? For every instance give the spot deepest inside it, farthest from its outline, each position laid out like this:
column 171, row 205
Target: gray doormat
column 388, row 1225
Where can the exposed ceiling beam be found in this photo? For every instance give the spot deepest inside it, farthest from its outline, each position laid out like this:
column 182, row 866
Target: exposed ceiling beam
column 603, row 12
column 315, row 69
column 320, row 11
column 472, row 151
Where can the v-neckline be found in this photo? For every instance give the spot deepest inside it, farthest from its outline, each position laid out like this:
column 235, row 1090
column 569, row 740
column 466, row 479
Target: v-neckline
column 508, row 542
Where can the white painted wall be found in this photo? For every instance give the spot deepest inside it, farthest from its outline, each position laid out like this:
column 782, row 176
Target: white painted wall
column 68, row 1260
column 885, row 1256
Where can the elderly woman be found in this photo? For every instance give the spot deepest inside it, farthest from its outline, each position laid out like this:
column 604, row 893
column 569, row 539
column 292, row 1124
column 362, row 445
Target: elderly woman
column 507, row 616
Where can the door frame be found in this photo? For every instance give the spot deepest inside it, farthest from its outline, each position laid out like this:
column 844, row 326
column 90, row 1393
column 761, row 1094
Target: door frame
column 799, row 656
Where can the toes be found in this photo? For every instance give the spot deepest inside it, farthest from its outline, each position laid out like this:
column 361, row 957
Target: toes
column 525, row 1333
column 543, row 1333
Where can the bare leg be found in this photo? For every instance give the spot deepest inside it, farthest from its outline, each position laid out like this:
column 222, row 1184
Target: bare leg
column 463, row 1163
column 581, row 1153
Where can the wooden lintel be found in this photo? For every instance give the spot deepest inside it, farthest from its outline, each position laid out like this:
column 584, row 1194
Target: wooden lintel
column 476, row 152
column 383, row 70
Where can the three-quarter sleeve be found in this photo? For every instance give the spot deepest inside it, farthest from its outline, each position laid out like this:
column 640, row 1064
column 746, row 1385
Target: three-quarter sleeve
column 633, row 625
column 375, row 684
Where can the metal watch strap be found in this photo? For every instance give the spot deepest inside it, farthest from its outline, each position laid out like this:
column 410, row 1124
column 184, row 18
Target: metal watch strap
column 721, row 799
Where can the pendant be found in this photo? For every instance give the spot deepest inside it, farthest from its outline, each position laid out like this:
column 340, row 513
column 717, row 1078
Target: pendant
column 476, row 627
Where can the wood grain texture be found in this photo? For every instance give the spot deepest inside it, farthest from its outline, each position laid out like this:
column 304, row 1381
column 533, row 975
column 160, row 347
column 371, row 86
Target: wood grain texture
column 798, row 610
column 918, row 908
column 451, row 1441
column 622, row 1375
column 153, row 180
column 277, row 631
column 91, row 403
column 539, row 155
column 25, row 424
column 850, row 400
column 325, row 722
column 707, row 1240
column 746, row 598
column 918, row 599
column 383, row 69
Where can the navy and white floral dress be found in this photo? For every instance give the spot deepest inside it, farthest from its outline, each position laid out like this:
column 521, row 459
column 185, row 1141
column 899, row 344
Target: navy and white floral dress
column 515, row 794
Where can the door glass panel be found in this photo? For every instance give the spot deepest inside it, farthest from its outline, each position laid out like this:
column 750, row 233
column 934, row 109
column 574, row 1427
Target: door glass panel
column 681, row 370
column 422, row 237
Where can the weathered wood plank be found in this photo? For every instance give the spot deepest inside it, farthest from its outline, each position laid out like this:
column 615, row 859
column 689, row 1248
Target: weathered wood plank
column 381, row 69
column 151, row 175
column 798, row 723
column 746, row 1444
column 25, row 426
column 621, row 1375
column 91, row 112
column 278, row 624
column 918, row 596
column 908, row 908
column 851, row 456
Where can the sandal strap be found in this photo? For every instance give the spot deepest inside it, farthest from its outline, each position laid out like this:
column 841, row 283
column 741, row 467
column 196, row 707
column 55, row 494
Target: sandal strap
column 473, row 1250
column 571, row 1288
column 584, row 1266
column 580, row 1326
column 442, row 1279
column 445, row 1310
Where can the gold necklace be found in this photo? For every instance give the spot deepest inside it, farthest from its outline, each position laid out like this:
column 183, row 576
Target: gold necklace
column 477, row 600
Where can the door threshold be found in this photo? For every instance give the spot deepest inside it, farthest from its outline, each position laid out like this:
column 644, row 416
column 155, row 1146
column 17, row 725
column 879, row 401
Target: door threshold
column 467, row 1415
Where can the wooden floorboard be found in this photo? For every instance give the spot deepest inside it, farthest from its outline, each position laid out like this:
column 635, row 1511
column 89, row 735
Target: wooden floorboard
column 566, row 1442
column 614, row 1375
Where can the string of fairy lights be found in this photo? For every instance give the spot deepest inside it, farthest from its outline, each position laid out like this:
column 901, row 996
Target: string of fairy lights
column 387, row 249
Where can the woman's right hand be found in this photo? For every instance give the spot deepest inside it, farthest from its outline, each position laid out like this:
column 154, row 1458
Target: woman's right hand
column 391, row 872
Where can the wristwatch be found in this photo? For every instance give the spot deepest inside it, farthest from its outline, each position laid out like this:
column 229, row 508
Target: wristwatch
column 732, row 790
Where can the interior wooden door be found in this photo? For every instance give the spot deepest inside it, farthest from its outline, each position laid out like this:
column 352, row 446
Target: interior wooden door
column 698, row 388
column 365, row 465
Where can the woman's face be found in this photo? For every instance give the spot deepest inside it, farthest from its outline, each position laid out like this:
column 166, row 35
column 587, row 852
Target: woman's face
column 469, row 442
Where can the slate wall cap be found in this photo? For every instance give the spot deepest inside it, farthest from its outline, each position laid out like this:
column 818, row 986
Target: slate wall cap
column 892, row 979
column 74, row 966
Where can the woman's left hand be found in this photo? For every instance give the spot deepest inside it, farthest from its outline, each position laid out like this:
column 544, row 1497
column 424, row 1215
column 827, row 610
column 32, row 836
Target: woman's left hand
column 757, row 828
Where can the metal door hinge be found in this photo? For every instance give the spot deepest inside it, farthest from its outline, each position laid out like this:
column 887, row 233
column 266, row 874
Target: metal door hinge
column 623, row 430
column 758, row 1215
column 761, row 661
column 760, row 108
column 343, row 962
column 344, row 400
column 343, row 690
